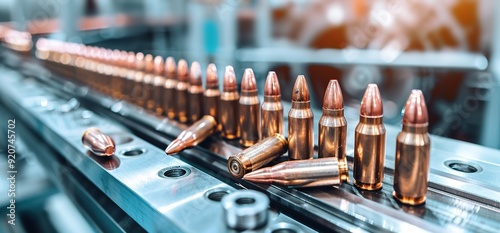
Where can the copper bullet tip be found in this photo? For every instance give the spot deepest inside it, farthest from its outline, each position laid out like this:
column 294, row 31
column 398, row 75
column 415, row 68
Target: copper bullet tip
column 371, row 105
column 170, row 66
column 195, row 74
column 259, row 175
column 175, row 147
column 415, row 109
column 272, row 86
column 229, row 83
column 248, row 82
column 300, row 90
column 158, row 65
column 139, row 61
column 99, row 143
column 182, row 70
column 333, row 96
column 212, row 80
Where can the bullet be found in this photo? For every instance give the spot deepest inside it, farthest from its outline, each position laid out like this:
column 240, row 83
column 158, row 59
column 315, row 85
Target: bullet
column 182, row 91
column 193, row 135
column 249, row 110
column 138, row 90
column 300, row 122
column 332, row 124
column 412, row 153
column 257, row 155
column 170, row 89
column 212, row 95
column 195, row 93
column 229, row 101
column 99, row 143
column 369, row 142
column 128, row 85
column 272, row 109
column 147, row 83
column 302, row 173
column 158, row 83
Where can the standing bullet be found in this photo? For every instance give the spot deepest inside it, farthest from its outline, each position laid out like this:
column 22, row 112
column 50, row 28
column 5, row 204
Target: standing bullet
column 128, row 86
column 138, row 90
column 158, row 83
column 369, row 142
column 332, row 124
column 302, row 173
column 193, row 135
column 195, row 93
column 182, row 91
column 147, row 82
column 212, row 95
column 249, row 110
column 257, row 155
column 229, row 101
column 300, row 122
column 170, row 89
column 412, row 153
column 99, row 143
column 272, row 109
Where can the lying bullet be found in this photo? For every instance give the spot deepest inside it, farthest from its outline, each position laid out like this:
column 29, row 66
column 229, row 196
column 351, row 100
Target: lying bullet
column 300, row 122
column 158, row 83
column 229, row 101
column 193, row 135
column 272, row 109
column 195, row 93
column 412, row 153
column 249, row 110
column 182, row 91
column 369, row 142
column 212, row 95
column 99, row 143
column 170, row 89
column 332, row 124
column 302, row 173
column 257, row 155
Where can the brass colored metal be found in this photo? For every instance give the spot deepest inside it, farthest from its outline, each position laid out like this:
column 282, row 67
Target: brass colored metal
column 158, row 83
column 138, row 90
column 212, row 95
column 147, row 83
column 332, row 124
column 412, row 158
column 229, row 101
column 170, row 89
column 99, row 143
column 272, row 108
column 182, row 91
column 300, row 123
column 249, row 110
column 369, row 142
column 128, row 86
column 193, row 135
column 257, row 155
column 195, row 93
column 303, row 173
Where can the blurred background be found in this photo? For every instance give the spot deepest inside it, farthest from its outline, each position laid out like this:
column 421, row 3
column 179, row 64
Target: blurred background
column 445, row 48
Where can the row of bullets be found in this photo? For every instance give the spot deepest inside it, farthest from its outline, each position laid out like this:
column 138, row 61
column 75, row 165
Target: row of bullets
column 16, row 40
column 176, row 91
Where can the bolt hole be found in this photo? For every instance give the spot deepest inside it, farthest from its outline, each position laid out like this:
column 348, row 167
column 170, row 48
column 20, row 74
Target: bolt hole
column 174, row 172
column 462, row 166
column 245, row 201
column 134, row 152
column 284, row 230
column 217, row 195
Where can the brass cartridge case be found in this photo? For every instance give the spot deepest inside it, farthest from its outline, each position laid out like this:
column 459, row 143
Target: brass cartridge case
column 257, row 155
column 170, row 89
column 182, row 91
column 332, row 134
column 300, row 123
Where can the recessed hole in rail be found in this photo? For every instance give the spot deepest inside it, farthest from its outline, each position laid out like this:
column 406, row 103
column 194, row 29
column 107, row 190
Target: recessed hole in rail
column 245, row 201
column 174, row 172
column 134, row 152
column 284, row 227
column 120, row 139
column 216, row 194
column 284, row 230
column 463, row 166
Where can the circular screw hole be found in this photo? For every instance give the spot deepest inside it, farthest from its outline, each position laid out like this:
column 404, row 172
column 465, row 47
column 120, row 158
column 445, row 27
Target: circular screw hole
column 245, row 201
column 284, row 230
column 462, row 166
column 134, row 152
column 217, row 195
column 174, row 172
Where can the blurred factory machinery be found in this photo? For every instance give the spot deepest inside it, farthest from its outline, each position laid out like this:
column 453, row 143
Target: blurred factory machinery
column 93, row 141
